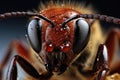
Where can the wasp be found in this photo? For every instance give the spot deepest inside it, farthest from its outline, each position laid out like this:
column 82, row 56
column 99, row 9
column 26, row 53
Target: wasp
column 66, row 42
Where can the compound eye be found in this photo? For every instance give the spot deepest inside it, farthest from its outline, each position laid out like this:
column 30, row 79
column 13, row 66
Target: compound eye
column 34, row 34
column 49, row 47
column 81, row 35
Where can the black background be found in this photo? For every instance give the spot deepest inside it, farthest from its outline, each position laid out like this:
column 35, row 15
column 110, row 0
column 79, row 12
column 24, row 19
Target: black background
column 109, row 7
column 16, row 28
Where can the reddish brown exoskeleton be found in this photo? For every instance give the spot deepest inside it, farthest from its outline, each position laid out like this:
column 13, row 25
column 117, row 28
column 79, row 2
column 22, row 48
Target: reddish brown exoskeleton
column 66, row 44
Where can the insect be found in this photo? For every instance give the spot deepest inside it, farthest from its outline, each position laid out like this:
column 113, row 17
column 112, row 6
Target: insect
column 66, row 44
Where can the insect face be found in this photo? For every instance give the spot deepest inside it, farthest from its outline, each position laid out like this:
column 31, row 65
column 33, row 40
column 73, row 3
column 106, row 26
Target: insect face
column 59, row 36
column 58, row 44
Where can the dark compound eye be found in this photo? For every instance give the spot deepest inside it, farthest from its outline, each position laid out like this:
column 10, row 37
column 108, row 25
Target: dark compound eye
column 82, row 33
column 34, row 34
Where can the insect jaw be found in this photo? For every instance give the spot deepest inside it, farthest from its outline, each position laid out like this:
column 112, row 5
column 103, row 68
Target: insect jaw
column 56, row 59
column 56, row 62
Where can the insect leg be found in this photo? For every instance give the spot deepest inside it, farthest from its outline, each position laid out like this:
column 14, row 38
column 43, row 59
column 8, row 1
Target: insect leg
column 12, row 73
column 111, row 41
column 21, row 50
column 104, row 66
column 101, row 65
